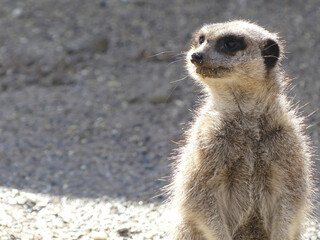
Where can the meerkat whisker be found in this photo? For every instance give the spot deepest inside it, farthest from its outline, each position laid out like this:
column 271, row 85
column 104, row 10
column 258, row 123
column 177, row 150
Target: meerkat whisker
column 179, row 54
column 160, row 53
column 181, row 79
column 171, row 92
column 179, row 60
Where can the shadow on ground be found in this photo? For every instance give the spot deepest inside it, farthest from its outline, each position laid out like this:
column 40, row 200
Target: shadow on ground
column 88, row 111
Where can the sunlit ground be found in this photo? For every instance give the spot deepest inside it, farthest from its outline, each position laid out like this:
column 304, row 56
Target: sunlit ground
column 26, row 215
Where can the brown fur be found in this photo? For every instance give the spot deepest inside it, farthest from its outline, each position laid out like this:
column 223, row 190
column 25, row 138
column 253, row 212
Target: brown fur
column 244, row 172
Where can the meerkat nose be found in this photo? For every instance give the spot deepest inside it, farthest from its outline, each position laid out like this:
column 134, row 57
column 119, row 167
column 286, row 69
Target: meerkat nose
column 197, row 58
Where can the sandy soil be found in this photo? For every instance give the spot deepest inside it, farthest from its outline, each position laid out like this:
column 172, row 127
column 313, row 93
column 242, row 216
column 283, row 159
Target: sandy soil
column 90, row 111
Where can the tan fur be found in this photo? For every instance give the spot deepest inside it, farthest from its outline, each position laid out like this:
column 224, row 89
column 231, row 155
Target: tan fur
column 244, row 172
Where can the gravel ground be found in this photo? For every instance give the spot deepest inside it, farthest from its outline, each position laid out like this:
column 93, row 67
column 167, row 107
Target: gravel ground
column 39, row 216
column 90, row 111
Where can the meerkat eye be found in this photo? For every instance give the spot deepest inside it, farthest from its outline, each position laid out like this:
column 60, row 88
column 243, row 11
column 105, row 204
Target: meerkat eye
column 231, row 45
column 201, row 39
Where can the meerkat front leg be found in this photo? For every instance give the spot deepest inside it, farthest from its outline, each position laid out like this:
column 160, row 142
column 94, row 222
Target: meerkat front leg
column 186, row 231
column 287, row 221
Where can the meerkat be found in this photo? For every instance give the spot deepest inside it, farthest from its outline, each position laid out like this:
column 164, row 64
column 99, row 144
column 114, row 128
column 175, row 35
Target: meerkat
column 245, row 169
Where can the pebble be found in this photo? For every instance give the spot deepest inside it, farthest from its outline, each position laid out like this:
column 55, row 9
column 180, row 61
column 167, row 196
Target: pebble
column 17, row 12
column 99, row 236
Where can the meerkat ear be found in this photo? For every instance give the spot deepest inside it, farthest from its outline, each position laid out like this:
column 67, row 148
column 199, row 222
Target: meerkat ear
column 270, row 53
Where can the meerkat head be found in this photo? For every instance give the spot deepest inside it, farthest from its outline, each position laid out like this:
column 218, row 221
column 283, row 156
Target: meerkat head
column 232, row 52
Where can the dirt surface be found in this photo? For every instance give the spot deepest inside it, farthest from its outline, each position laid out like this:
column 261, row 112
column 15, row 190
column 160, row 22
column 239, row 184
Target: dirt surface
column 90, row 111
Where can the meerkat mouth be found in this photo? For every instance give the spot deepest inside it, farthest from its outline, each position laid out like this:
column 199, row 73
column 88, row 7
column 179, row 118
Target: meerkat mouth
column 212, row 72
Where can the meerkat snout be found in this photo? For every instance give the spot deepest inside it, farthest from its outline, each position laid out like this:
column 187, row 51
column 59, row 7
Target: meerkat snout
column 197, row 58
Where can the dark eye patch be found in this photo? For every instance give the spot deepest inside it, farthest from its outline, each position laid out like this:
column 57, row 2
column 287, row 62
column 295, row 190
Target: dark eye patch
column 230, row 44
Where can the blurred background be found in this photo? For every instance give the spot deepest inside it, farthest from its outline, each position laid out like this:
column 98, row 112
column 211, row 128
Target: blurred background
column 94, row 95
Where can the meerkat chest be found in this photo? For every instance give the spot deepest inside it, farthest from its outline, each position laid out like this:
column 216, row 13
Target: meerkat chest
column 237, row 165
column 234, row 174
